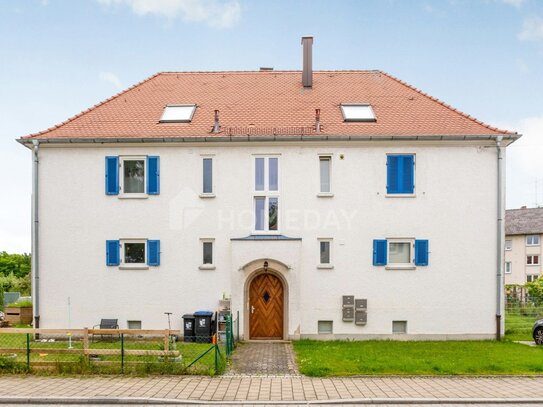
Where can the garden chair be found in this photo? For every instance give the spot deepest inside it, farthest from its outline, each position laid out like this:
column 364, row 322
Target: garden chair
column 106, row 324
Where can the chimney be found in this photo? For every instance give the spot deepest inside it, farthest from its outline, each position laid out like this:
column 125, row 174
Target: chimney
column 307, row 74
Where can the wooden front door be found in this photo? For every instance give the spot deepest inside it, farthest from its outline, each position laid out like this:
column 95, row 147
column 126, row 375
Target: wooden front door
column 266, row 307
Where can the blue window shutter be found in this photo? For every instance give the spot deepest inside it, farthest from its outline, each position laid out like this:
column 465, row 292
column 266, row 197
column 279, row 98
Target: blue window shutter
column 392, row 174
column 112, row 175
column 153, row 175
column 379, row 252
column 421, row 252
column 153, row 252
column 408, row 174
column 113, row 252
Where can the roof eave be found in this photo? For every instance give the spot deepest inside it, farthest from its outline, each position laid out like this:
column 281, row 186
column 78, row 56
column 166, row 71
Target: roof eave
column 510, row 137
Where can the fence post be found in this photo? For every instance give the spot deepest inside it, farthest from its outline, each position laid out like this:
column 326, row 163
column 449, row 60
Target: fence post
column 85, row 341
column 28, row 351
column 237, row 326
column 122, row 353
column 216, row 358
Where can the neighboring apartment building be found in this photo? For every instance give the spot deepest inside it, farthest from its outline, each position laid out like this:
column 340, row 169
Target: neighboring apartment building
column 523, row 230
column 286, row 190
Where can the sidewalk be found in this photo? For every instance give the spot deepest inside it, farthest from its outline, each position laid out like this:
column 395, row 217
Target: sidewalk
column 257, row 389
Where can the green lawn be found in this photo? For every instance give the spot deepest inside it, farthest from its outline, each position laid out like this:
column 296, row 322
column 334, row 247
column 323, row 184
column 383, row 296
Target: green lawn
column 341, row 358
column 519, row 327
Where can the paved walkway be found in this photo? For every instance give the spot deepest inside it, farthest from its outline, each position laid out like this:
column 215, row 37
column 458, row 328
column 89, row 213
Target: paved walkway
column 263, row 359
column 254, row 389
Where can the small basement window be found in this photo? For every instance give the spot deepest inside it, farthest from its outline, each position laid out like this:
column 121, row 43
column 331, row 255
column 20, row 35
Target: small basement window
column 178, row 114
column 357, row 112
column 399, row 327
column 325, row 327
column 134, row 324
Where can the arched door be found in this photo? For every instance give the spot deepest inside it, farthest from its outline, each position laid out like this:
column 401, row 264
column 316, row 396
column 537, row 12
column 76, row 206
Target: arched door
column 266, row 307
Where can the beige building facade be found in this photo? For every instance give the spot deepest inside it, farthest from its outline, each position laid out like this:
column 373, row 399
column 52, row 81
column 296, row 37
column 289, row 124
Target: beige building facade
column 523, row 247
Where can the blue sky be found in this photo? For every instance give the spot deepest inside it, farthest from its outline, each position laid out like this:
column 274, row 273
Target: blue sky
column 58, row 57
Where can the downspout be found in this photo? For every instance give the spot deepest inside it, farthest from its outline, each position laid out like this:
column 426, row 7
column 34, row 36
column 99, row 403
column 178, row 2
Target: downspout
column 499, row 241
column 35, row 235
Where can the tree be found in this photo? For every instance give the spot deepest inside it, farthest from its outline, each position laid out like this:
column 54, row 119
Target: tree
column 16, row 264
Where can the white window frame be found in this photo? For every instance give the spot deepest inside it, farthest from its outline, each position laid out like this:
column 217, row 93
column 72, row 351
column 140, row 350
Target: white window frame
column 213, row 173
column 510, row 247
column 266, row 194
column 207, row 266
column 135, row 266
column 510, row 264
column 532, row 237
column 401, row 266
column 330, row 264
column 136, row 195
column 163, row 120
column 347, row 119
column 533, row 277
column 532, row 258
column 323, row 194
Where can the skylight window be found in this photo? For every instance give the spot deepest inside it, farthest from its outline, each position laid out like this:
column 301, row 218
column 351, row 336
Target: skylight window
column 357, row 112
column 178, row 114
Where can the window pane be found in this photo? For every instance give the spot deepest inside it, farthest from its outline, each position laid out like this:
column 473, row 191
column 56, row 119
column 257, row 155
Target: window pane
column 134, row 252
column 325, row 252
column 259, row 213
column 508, row 244
column 134, row 176
column 273, row 170
column 536, row 259
column 208, row 253
column 508, row 267
column 273, row 213
column 208, row 176
column 399, row 253
column 325, row 174
column 259, row 174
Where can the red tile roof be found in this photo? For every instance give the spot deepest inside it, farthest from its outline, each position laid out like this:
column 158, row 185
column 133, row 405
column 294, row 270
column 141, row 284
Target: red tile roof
column 268, row 102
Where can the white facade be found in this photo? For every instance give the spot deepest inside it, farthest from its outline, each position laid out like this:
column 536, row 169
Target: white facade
column 454, row 207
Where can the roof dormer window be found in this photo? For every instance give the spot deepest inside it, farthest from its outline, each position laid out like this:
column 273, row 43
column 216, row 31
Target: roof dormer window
column 357, row 112
column 178, row 114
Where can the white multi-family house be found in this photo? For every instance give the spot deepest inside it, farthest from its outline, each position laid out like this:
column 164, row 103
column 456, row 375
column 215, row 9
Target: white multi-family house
column 523, row 230
column 325, row 204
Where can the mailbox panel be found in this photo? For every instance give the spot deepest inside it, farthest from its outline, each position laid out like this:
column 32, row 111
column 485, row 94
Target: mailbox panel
column 348, row 314
column 348, row 301
column 360, row 317
column 361, row 304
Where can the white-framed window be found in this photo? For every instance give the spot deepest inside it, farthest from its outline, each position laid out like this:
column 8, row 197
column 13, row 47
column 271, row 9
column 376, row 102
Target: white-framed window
column 133, row 179
column 400, row 252
column 532, row 240
column 325, row 175
column 178, row 113
column 208, row 255
column 266, row 194
column 531, row 277
column 134, row 252
column 357, row 112
column 325, row 253
column 508, row 267
column 508, row 244
column 532, row 260
column 208, row 189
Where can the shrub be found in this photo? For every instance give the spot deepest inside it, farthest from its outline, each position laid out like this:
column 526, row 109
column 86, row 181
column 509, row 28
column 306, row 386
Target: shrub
column 26, row 303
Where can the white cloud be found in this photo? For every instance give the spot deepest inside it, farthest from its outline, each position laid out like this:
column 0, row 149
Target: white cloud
column 515, row 3
column 532, row 29
column 524, row 167
column 111, row 78
column 216, row 13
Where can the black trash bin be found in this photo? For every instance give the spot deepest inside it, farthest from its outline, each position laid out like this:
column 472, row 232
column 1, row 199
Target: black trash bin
column 203, row 326
column 188, row 328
